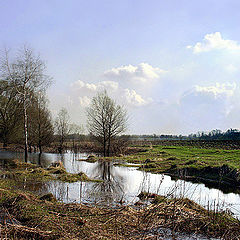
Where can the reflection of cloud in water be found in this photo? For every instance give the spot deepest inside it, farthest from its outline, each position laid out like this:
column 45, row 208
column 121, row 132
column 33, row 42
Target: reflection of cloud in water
column 121, row 183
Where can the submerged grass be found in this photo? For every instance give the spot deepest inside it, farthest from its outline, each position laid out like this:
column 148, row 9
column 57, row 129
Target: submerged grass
column 74, row 177
column 27, row 172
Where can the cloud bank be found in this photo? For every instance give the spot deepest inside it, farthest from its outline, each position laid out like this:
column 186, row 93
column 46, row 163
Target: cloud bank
column 214, row 41
column 197, row 96
column 83, row 92
column 142, row 73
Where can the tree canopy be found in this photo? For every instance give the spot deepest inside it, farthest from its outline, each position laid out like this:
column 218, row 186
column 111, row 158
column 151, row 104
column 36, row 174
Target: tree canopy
column 106, row 120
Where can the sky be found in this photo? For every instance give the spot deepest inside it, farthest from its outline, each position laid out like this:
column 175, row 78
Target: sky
column 174, row 65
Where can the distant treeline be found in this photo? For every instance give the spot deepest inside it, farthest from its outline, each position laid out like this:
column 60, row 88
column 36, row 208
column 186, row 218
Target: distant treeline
column 230, row 134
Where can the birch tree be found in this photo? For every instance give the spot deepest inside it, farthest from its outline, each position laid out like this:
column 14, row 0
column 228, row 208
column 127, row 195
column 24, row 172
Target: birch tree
column 26, row 72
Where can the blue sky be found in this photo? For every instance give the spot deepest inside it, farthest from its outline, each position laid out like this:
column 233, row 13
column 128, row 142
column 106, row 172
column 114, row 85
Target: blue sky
column 173, row 64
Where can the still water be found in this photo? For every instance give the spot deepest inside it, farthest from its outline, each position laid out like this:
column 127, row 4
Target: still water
column 120, row 184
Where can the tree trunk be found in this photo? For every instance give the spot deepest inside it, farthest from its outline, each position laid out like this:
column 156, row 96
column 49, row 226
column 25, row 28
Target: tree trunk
column 104, row 144
column 104, row 148
column 30, row 148
column 61, row 142
column 25, row 126
column 109, row 137
column 39, row 159
column 39, row 128
column 108, row 147
column 5, row 138
column 40, row 147
column 73, row 145
column 5, row 141
column 109, row 171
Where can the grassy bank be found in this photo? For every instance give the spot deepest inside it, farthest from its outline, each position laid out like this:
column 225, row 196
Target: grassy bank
column 166, row 158
column 215, row 166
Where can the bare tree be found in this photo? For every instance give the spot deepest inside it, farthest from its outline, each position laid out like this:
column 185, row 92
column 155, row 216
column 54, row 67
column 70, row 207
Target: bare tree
column 40, row 125
column 106, row 120
column 26, row 72
column 10, row 113
column 62, row 126
column 75, row 131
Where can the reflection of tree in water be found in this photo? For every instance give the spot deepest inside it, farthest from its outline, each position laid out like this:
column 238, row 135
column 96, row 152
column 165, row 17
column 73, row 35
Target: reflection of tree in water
column 37, row 187
column 60, row 190
column 111, row 189
column 41, row 159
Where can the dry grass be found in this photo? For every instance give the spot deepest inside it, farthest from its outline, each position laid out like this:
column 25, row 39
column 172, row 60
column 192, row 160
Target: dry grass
column 28, row 217
column 183, row 215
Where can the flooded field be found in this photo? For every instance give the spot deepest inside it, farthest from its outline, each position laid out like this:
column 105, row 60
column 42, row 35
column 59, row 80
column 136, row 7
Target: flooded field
column 120, row 185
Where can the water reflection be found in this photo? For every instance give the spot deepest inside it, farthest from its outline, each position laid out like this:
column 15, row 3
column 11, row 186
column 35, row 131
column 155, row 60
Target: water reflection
column 120, row 184
column 111, row 189
column 45, row 159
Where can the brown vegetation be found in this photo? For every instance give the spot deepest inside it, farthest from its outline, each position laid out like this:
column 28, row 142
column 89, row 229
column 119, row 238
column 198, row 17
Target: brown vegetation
column 26, row 216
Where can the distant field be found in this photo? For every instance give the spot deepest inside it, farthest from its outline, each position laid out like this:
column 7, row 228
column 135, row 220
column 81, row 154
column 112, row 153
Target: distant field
column 222, row 144
column 161, row 158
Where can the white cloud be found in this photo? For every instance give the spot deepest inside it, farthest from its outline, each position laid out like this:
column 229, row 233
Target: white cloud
column 84, row 101
column 80, row 85
column 230, row 68
column 143, row 73
column 92, row 88
column 132, row 98
column 214, row 41
column 219, row 90
column 217, row 96
column 207, row 107
column 82, row 93
column 108, row 85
